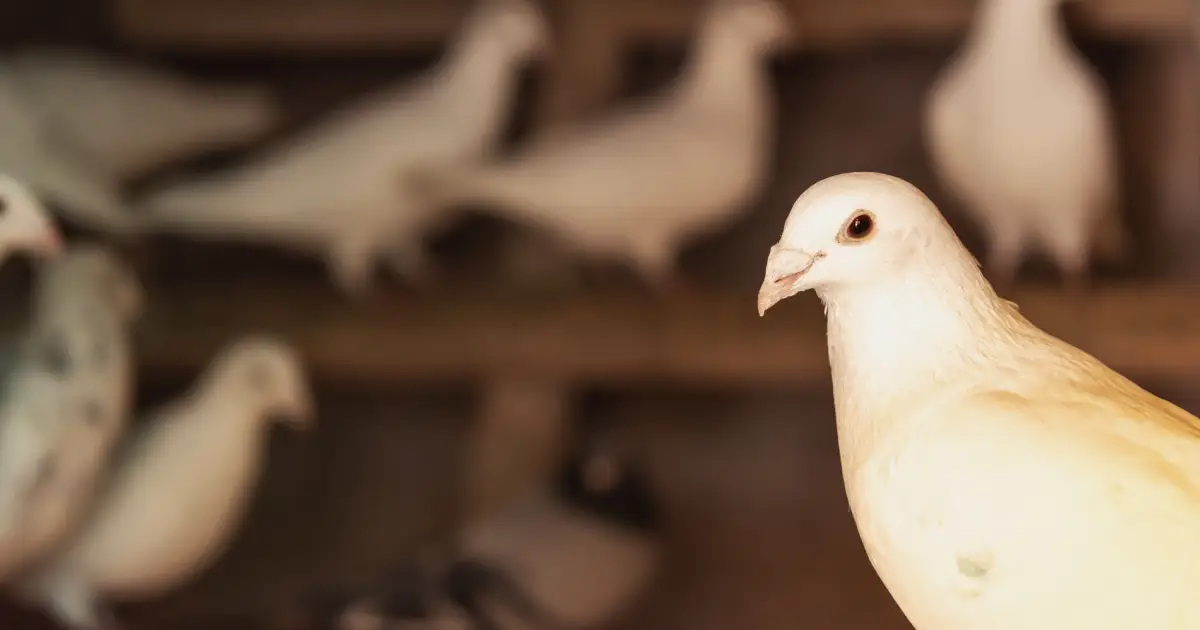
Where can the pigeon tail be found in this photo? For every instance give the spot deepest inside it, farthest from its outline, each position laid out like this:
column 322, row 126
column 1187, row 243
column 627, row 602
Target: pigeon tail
column 192, row 207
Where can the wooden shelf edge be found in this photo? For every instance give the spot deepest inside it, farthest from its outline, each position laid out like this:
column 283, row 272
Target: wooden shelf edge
column 235, row 26
column 614, row 338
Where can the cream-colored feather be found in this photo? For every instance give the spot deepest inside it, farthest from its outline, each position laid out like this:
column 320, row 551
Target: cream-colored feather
column 999, row 477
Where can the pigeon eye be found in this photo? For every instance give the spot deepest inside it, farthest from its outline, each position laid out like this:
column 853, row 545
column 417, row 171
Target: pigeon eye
column 860, row 227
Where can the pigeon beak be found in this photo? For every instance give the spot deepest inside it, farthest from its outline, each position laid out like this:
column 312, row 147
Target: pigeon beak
column 786, row 269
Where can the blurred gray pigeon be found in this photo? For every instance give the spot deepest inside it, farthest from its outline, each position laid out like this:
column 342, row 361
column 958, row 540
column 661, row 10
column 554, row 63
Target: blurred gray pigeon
column 166, row 511
column 68, row 400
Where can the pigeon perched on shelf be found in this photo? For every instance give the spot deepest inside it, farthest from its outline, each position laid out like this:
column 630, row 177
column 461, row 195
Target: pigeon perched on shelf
column 67, row 401
column 1020, row 131
column 178, row 486
column 999, row 477
column 571, row 555
column 337, row 189
column 125, row 118
column 636, row 185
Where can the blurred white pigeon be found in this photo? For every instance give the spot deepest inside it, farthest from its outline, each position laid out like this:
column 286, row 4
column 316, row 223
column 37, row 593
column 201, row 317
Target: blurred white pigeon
column 1019, row 130
column 178, row 486
column 25, row 225
column 999, row 477
column 636, row 185
column 337, row 189
column 44, row 160
column 125, row 118
column 570, row 555
column 56, row 435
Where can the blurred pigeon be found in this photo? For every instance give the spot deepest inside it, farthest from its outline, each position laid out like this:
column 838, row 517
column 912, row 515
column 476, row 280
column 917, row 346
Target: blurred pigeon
column 38, row 155
column 1020, row 131
column 639, row 183
column 178, row 487
column 336, row 189
column 569, row 556
column 56, row 436
column 125, row 118
column 24, row 223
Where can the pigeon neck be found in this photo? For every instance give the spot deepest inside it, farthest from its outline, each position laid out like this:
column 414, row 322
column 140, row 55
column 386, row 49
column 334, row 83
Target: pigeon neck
column 1022, row 28
column 479, row 55
column 724, row 63
column 481, row 77
column 903, row 334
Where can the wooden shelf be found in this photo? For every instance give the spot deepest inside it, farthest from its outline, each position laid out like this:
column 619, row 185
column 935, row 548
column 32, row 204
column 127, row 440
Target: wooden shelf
column 714, row 340
column 230, row 26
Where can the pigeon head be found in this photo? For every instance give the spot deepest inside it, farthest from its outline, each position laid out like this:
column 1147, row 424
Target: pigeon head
column 268, row 375
column 25, row 225
column 763, row 23
column 853, row 230
column 518, row 24
column 90, row 270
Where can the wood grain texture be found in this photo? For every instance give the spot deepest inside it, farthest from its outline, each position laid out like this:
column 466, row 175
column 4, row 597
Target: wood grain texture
column 607, row 337
column 238, row 25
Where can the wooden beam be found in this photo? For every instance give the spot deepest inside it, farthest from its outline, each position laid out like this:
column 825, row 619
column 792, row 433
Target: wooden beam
column 234, row 26
column 609, row 338
column 585, row 71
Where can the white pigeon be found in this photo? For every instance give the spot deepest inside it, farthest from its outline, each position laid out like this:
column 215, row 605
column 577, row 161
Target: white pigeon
column 125, row 118
column 1019, row 130
column 178, row 486
column 41, row 158
column 337, row 189
column 571, row 555
column 70, row 397
column 636, row 185
column 999, row 477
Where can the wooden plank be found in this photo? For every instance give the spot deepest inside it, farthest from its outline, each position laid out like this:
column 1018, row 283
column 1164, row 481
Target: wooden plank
column 306, row 25
column 458, row 336
column 585, row 71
